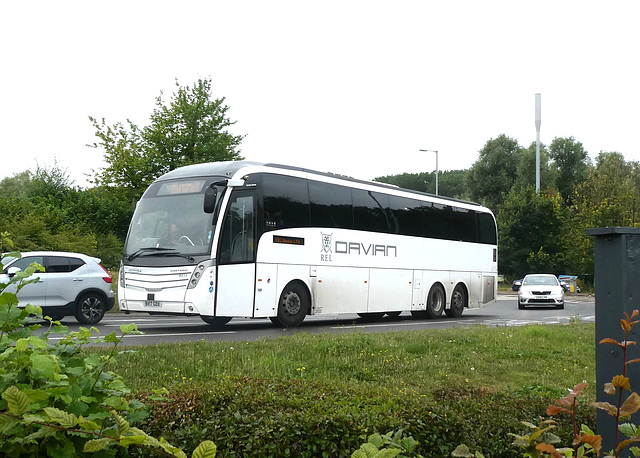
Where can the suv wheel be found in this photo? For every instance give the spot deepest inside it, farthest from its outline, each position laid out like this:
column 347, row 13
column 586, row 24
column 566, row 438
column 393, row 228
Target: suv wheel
column 90, row 308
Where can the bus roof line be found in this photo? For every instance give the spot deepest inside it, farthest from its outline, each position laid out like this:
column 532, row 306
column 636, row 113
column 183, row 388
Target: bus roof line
column 368, row 182
column 230, row 168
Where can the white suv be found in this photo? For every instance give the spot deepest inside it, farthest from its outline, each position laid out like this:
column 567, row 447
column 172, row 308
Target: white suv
column 71, row 284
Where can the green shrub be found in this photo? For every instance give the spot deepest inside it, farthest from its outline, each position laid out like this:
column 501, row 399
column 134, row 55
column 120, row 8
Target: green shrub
column 58, row 401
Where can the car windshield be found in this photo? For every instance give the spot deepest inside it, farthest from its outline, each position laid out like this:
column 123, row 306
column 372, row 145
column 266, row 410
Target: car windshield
column 546, row 280
column 170, row 219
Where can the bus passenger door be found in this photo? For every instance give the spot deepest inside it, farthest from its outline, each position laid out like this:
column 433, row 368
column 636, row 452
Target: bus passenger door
column 236, row 257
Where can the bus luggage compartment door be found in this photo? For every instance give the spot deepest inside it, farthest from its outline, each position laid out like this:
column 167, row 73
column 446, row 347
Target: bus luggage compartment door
column 390, row 290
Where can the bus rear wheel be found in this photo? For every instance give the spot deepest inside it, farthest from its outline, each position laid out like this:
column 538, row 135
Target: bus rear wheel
column 293, row 305
column 216, row 321
column 435, row 301
column 458, row 302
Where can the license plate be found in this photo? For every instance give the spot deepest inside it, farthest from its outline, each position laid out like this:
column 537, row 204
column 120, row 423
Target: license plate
column 541, row 297
column 155, row 304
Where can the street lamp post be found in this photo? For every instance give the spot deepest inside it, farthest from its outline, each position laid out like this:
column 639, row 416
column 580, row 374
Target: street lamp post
column 433, row 151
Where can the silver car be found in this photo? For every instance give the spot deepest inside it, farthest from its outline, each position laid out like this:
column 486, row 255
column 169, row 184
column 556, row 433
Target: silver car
column 541, row 289
column 72, row 284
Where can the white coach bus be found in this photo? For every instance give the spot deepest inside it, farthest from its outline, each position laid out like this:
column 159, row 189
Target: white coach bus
column 244, row 239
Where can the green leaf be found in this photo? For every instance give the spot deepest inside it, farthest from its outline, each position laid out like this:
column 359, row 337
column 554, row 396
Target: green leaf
column 41, row 433
column 128, row 328
column 17, row 401
column 43, row 365
column 88, row 425
column 167, row 447
column 38, row 342
column 121, row 423
column 628, row 429
column 376, row 439
column 96, row 445
column 206, row 449
column 111, row 338
column 64, row 419
column 93, row 360
column 387, row 453
column 21, row 345
column 132, row 440
column 6, row 423
column 366, row 450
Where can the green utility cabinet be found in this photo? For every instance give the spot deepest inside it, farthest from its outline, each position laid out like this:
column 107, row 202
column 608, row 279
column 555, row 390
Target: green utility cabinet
column 617, row 286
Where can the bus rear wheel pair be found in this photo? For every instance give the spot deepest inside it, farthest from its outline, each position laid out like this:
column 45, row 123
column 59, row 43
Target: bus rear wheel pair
column 436, row 301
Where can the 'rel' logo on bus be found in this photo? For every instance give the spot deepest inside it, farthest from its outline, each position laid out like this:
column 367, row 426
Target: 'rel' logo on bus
column 325, row 255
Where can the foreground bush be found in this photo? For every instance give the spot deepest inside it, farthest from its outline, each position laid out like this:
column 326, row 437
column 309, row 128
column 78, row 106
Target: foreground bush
column 301, row 418
column 57, row 401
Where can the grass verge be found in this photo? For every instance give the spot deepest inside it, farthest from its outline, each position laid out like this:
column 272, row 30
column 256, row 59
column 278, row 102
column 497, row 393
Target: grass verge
column 321, row 394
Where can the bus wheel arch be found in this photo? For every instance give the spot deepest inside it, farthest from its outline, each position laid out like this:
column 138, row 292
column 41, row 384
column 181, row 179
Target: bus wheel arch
column 436, row 300
column 459, row 300
column 294, row 304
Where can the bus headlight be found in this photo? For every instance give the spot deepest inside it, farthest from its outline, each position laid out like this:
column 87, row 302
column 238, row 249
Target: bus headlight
column 121, row 279
column 199, row 272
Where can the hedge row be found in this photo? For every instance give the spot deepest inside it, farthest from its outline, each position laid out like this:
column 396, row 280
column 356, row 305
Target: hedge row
column 265, row 418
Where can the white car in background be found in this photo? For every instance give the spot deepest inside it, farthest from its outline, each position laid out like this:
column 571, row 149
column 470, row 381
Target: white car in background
column 72, row 284
column 540, row 290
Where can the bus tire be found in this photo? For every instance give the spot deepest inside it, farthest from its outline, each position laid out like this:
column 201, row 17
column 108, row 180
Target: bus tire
column 458, row 302
column 216, row 321
column 435, row 301
column 293, row 305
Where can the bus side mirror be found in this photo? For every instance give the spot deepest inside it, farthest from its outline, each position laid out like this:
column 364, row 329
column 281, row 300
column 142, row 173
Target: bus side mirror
column 210, row 198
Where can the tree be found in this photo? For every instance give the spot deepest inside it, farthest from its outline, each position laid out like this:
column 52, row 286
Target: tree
column 491, row 177
column 42, row 211
column 571, row 163
column 607, row 197
column 450, row 182
column 189, row 129
column 532, row 233
column 526, row 170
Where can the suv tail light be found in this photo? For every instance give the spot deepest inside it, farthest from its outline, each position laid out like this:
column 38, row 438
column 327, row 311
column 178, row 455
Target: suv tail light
column 108, row 278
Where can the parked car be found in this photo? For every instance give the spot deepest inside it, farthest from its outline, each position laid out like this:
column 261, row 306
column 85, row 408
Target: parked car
column 541, row 289
column 72, row 284
column 515, row 286
column 567, row 287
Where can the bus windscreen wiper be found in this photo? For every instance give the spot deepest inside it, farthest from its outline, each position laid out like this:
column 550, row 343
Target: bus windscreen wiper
column 159, row 251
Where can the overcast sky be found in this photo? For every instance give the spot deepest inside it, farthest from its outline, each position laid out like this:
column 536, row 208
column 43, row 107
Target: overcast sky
column 351, row 87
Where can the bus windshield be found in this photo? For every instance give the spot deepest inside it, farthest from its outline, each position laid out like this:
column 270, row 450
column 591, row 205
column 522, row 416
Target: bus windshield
column 169, row 219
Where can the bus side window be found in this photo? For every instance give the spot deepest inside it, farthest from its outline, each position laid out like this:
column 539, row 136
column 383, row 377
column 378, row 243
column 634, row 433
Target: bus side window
column 370, row 211
column 285, row 202
column 330, row 205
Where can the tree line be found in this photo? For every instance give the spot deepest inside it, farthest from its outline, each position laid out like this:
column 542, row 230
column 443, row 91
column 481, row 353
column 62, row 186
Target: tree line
column 542, row 231
column 538, row 231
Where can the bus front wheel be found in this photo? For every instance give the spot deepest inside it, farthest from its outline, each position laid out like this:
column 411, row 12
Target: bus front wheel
column 293, row 305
